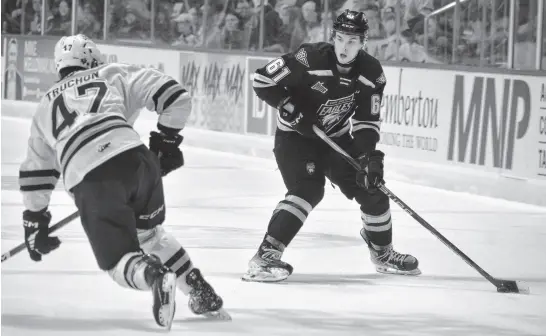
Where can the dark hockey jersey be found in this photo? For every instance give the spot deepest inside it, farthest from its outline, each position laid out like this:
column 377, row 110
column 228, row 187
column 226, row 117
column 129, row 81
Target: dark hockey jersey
column 342, row 102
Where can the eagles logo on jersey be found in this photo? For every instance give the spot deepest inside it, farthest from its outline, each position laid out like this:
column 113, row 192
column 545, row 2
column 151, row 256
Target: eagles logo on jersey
column 316, row 86
column 333, row 111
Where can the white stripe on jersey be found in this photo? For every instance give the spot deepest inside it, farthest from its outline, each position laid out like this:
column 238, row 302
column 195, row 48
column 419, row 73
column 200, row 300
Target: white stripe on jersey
column 320, row 72
column 261, row 81
column 366, row 81
column 344, row 129
column 359, row 125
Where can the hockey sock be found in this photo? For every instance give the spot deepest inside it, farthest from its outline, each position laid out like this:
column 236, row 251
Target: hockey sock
column 378, row 228
column 130, row 271
column 288, row 218
column 180, row 263
column 165, row 246
column 273, row 241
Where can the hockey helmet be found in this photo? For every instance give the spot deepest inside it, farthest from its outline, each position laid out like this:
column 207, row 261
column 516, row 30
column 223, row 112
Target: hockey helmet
column 352, row 23
column 77, row 51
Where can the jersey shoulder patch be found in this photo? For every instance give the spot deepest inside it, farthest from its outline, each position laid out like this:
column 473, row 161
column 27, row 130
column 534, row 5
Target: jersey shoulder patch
column 301, row 56
column 311, row 55
column 381, row 80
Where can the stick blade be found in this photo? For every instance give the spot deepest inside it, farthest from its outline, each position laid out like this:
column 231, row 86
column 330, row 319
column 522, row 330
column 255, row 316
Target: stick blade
column 511, row 286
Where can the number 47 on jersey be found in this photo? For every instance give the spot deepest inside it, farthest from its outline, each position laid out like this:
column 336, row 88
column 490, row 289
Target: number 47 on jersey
column 63, row 118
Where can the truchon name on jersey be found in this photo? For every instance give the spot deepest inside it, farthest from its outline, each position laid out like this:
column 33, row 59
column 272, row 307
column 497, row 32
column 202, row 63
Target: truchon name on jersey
column 70, row 83
column 335, row 110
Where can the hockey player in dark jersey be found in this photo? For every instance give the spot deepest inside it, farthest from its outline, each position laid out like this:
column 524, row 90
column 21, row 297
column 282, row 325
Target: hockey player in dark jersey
column 339, row 88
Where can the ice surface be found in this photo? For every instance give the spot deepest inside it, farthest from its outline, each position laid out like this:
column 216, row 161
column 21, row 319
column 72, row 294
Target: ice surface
column 219, row 206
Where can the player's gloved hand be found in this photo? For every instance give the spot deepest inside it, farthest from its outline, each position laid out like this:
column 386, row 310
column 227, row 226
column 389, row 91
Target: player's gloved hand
column 37, row 239
column 300, row 122
column 165, row 145
column 371, row 174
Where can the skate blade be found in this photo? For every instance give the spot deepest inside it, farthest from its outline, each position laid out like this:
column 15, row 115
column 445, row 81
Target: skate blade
column 220, row 314
column 168, row 309
column 390, row 270
column 274, row 275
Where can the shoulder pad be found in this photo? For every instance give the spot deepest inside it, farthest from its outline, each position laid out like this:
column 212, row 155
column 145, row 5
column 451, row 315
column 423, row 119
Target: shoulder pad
column 371, row 68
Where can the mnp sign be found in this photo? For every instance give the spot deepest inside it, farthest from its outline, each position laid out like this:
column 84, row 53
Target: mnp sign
column 496, row 124
column 493, row 115
column 260, row 117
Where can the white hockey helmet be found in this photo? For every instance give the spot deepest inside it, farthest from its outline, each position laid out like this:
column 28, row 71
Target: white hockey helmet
column 77, row 51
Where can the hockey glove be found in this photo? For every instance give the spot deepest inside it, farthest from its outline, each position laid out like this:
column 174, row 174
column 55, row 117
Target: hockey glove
column 165, row 146
column 298, row 121
column 371, row 174
column 37, row 240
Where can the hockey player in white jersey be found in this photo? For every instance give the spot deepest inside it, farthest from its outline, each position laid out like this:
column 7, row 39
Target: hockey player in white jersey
column 82, row 131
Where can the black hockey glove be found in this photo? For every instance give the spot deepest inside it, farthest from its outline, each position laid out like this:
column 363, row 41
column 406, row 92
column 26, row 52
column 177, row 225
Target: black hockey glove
column 300, row 122
column 37, row 240
column 371, row 174
column 165, row 146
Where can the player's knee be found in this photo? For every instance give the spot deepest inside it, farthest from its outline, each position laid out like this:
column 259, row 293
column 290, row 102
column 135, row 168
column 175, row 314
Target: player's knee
column 159, row 242
column 130, row 271
column 300, row 202
column 311, row 193
column 373, row 204
column 164, row 245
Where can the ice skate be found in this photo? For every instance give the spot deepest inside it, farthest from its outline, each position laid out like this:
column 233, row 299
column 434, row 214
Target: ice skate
column 388, row 261
column 163, row 285
column 203, row 300
column 267, row 266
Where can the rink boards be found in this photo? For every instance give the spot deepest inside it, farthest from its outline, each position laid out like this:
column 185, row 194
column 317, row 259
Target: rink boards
column 477, row 132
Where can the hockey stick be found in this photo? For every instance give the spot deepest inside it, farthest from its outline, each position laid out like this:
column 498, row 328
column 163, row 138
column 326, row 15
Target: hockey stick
column 21, row 247
column 503, row 286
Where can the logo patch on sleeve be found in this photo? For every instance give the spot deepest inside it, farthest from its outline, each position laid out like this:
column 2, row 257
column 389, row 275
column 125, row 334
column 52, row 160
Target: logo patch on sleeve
column 319, row 86
column 382, row 79
column 301, row 56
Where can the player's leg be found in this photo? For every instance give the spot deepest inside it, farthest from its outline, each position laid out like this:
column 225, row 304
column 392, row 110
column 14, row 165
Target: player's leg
column 299, row 161
column 108, row 220
column 375, row 215
column 377, row 233
column 149, row 207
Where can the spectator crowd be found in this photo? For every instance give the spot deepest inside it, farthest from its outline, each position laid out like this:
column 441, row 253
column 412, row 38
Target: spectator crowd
column 236, row 25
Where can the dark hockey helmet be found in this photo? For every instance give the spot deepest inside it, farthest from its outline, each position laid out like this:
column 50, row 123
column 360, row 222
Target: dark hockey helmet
column 353, row 23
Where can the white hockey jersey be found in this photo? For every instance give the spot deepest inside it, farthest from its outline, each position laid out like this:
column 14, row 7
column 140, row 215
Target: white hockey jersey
column 86, row 119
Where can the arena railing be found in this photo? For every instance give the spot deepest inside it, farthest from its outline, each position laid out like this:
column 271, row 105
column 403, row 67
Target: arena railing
column 497, row 34
column 493, row 33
